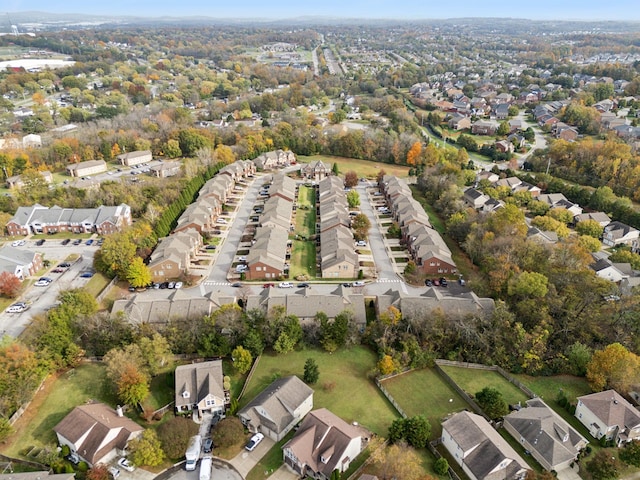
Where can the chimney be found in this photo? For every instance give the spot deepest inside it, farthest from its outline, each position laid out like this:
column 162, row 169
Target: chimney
column 119, row 411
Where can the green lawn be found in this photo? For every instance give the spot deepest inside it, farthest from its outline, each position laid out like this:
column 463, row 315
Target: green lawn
column 303, row 259
column 364, row 168
column 96, row 284
column 472, row 381
column 49, row 407
column 162, row 390
column 424, row 392
column 343, row 387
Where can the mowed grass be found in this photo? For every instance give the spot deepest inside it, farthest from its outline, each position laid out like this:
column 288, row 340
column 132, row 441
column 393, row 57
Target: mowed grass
column 51, row 404
column 424, row 392
column 303, row 259
column 96, row 284
column 364, row 168
column 472, row 381
column 343, row 386
column 306, row 217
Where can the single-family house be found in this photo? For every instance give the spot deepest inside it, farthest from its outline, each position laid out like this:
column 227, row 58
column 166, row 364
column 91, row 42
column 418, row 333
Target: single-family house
column 459, row 122
column 37, row 475
column 323, row 443
column 199, row 387
column 135, row 158
column 504, row 146
column 600, row 217
column 614, row 272
column 278, row 408
column 96, row 432
column 83, row 169
column 480, row 450
column 317, row 170
column 618, row 233
column 484, row 127
column 558, row 200
column 608, row 414
column 551, row 440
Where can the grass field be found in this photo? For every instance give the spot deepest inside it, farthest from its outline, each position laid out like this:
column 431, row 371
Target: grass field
column 364, row 168
column 343, row 387
column 424, row 392
column 303, row 259
column 472, row 381
column 50, row 405
column 96, row 284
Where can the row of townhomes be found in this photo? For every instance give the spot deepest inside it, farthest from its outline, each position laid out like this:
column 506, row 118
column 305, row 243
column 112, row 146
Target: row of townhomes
column 268, row 257
column 38, row 219
column 174, row 255
column 425, row 245
column 338, row 258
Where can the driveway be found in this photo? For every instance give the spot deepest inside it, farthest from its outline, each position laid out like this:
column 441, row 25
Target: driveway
column 245, row 461
column 568, row 474
column 220, row 471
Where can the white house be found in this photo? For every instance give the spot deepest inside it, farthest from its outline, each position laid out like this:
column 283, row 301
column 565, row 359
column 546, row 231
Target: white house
column 607, row 414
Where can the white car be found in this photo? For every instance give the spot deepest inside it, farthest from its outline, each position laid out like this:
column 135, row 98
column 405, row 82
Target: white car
column 285, row 285
column 253, row 443
column 42, row 283
column 361, row 243
column 124, row 463
column 115, row 473
column 178, row 285
column 241, row 268
column 359, row 283
column 221, row 221
column 18, row 243
column 17, row 308
column 242, row 259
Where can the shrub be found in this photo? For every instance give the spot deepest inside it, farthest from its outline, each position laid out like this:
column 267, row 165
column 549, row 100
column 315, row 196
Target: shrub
column 228, row 432
column 441, row 466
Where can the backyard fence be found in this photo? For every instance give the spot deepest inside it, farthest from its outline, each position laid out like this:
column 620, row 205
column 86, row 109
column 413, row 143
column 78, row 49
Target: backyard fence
column 432, row 448
column 465, row 396
column 391, row 399
column 246, row 382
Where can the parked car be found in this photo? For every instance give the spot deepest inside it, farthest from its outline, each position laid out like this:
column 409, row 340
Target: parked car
column 221, row 221
column 43, row 282
column 77, row 241
column 236, row 285
column 114, row 472
column 207, row 445
column 253, row 443
column 443, row 282
column 359, row 283
column 346, row 284
column 171, row 285
column 90, row 242
column 40, row 242
column 65, row 241
column 86, row 274
column 164, row 285
column 17, row 307
column 178, row 285
column 57, row 270
column 210, row 247
column 268, row 285
column 428, row 283
column 361, row 243
column 64, row 265
column 304, row 285
column 124, row 463
column 241, row 268
column 242, row 258
column 436, row 283
column 285, row 285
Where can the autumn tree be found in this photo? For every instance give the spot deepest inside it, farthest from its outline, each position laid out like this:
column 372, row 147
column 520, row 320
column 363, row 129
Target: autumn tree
column 360, row 225
column 491, row 402
column 528, row 284
column 387, row 365
column 20, row 374
column 174, row 436
column 146, row 449
column 350, row 179
column 413, row 155
column 98, row 472
column 613, row 367
column 603, row 466
column 138, row 274
column 133, row 385
column 228, row 432
column 242, row 359
column 10, row 285
column 396, row 461
column 630, row 454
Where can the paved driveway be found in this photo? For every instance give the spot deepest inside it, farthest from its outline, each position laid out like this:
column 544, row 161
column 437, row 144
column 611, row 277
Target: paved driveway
column 245, row 461
column 568, row 474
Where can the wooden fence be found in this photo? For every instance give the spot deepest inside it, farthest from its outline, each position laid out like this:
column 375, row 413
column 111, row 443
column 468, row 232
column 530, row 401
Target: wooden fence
column 246, row 382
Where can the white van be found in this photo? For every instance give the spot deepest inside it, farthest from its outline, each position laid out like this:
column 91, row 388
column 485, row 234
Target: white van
column 205, row 468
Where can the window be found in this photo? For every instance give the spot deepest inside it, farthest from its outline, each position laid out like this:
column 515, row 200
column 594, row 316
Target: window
column 258, row 269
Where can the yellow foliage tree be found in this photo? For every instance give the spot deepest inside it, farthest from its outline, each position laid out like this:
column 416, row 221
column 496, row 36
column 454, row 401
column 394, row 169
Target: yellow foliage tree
column 414, row 153
column 613, row 367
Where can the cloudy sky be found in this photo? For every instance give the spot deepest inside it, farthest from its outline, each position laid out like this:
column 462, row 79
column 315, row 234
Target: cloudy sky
column 393, row 9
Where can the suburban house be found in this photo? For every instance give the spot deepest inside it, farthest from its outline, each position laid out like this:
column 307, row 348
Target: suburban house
column 316, row 171
column 201, row 215
column 284, row 187
column 600, row 217
column 32, row 141
column 484, row 127
column 38, row 219
column 614, row 272
column 84, row 169
column 268, row 255
column 166, row 169
column 480, row 450
column 504, row 146
column 135, row 158
column 275, row 159
column 558, row 200
column 459, row 122
column 545, row 237
column 607, row 414
column 551, row 440
column 200, row 387
column 96, row 432
column 278, row 408
column 323, row 443
column 475, row 198
column 618, row 233
column 17, row 180
column 21, row 263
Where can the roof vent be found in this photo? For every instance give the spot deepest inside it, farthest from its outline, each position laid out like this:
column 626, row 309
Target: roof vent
column 186, row 394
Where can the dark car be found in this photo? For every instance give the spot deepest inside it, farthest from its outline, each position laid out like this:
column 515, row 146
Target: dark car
column 86, row 274
column 77, row 241
column 57, row 270
column 89, row 242
column 210, row 247
column 164, row 285
column 64, row 265
column 236, row 285
column 40, row 242
column 66, row 241
column 346, row 284
column 304, row 285
column 207, row 446
column 443, row 282
column 428, row 283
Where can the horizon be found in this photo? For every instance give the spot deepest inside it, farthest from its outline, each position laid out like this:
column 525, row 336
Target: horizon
column 404, row 10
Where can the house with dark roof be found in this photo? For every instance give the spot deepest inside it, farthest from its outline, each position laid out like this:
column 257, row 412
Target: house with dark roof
column 551, row 440
column 278, row 408
column 200, row 387
column 323, row 443
column 475, row 198
column 18, row 262
column 96, row 432
column 480, row 450
column 613, row 272
column 608, row 414
column 618, row 233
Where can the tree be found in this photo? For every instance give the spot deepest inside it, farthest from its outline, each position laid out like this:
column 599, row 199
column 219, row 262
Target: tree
column 578, row 355
column 116, row 255
column 387, row 365
column 603, row 466
column 133, row 386
column 138, row 274
column 528, row 284
column 98, row 472
column 353, row 198
column 172, row 149
column 10, row 285
column 5, row 428
column 335, row 169
column 146, row 449
column 174, row 434
column 350, row 179
column 503, row 129
column 413, row 155
column 360, row 225
column 613, row 367
column 155, row 352
column 311, row 371
column 397, row 461
column 228, row 432
column 414, row 430
column 441, row 466
column 242, row 359
column 630, row 454
column 491, row 402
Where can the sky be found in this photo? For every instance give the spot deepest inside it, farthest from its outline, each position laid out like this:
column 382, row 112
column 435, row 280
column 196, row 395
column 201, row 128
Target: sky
column 391, row 9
